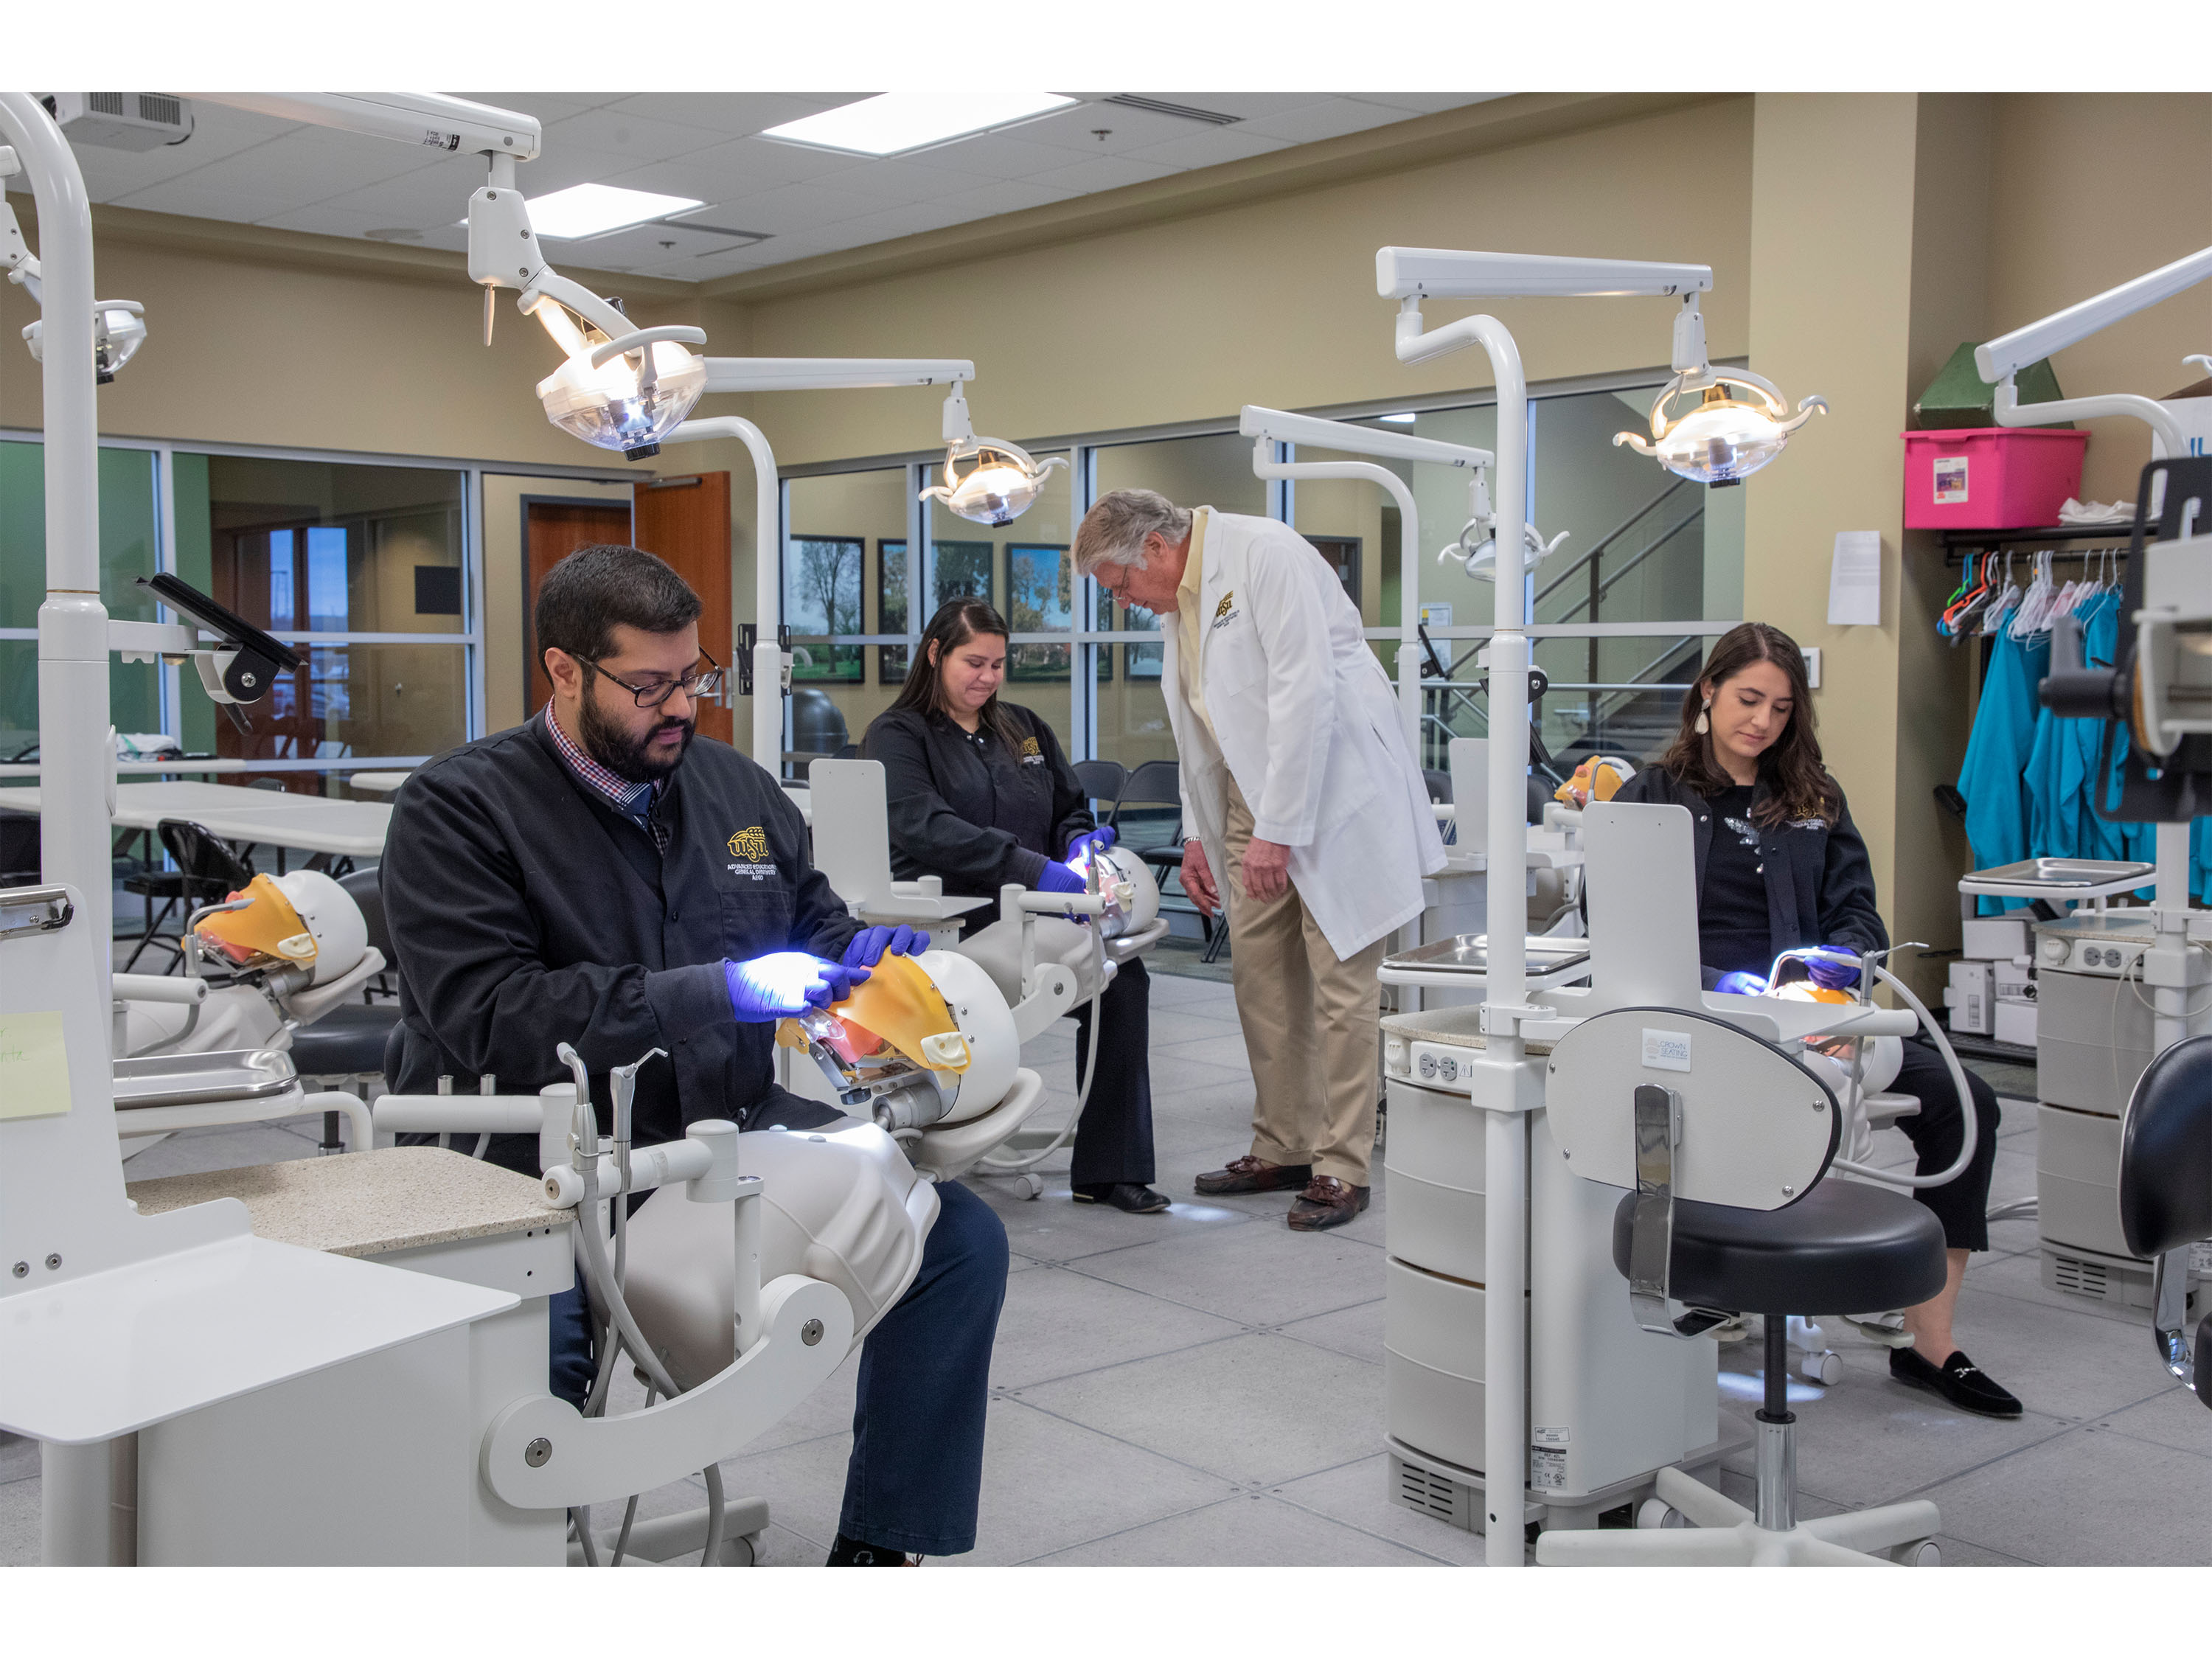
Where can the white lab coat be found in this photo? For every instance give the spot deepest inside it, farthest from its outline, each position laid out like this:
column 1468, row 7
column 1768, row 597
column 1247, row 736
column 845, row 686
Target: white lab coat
column 1306, row 722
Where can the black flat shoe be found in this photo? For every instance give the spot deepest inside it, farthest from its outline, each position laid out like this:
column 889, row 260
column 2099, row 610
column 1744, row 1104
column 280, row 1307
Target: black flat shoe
column 1958, row 1379
column 1131, row 1196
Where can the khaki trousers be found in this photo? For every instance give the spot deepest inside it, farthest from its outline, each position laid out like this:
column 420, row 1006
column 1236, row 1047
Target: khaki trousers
column 1310, row 1025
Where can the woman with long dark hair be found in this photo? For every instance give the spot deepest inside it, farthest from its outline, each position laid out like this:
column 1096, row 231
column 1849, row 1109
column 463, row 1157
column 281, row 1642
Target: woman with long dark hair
column 980, row 795
column 1780, row 867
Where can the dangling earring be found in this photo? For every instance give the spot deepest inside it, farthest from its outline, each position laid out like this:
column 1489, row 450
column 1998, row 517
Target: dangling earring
column 1703, row 725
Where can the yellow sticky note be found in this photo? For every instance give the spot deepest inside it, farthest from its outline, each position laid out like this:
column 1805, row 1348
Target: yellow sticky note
column 35, row 1079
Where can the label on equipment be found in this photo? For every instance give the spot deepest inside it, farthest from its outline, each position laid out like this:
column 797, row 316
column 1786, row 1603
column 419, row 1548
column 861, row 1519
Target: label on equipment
column 1666, row 1051
column 1548, row 1468
column 1950, row 478
column 1551, row 1437
column 2200, row 1258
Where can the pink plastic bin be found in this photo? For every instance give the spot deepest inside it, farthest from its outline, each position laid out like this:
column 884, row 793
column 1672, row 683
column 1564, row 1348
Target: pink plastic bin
column 1990, row 477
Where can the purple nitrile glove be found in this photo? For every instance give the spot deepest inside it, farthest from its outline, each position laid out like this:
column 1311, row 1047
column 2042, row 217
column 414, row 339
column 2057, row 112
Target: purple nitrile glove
column 784, row 983
column 872, row 945
column 1831, row 974
column 1059, row 878
column 1079, row 849
column 1741, row 984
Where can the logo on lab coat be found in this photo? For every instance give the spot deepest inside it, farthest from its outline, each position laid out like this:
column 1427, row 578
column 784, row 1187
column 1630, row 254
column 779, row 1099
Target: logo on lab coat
column 1031, row 755
column 750, row 843
column 1223, row 616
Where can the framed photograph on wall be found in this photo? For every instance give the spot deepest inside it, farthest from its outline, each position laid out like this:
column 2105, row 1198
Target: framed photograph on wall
column 822, row 595
column 963, row 571
column 1040, row 600
column 891, row 611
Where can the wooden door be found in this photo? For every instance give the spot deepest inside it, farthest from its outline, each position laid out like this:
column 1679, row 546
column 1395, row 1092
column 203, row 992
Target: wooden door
column 553, row 527
column 686, row 521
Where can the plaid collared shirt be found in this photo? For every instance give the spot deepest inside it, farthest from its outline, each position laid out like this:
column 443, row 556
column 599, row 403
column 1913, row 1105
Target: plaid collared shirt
column 633, row 800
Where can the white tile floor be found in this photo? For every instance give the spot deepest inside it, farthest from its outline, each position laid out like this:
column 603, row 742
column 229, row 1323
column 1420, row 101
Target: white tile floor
column 1205, row 1387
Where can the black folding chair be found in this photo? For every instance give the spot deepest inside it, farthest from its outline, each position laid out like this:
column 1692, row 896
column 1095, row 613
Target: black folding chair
column 1159, row 783
column 207, row 872
column 1102, row 781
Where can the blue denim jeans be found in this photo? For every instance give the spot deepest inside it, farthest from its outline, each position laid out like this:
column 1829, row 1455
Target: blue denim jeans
column 917, row 1466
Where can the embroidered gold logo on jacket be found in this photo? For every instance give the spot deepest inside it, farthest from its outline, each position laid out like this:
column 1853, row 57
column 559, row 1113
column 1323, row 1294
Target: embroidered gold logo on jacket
column 1221, row 611
column 750, row 843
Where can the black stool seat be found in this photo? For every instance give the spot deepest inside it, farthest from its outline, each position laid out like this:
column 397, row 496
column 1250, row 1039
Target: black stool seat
column 347, row 1041
column 1843, row 1248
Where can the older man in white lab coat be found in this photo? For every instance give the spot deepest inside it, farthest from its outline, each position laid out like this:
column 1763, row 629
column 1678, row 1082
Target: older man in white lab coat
column 1298, row 786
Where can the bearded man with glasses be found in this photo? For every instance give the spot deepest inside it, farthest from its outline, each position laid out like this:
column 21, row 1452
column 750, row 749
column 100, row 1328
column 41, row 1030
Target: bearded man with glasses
column 596, row 878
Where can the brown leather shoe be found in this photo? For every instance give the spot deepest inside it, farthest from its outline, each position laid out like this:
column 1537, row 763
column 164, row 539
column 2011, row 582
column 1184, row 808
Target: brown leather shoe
column 1327, row 1202
column 1251, row 1175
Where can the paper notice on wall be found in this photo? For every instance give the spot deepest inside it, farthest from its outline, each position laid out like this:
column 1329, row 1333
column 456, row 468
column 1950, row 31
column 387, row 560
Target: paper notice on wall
column 1854, row 579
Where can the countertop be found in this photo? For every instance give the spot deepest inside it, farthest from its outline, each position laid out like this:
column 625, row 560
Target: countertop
column 366, row 1204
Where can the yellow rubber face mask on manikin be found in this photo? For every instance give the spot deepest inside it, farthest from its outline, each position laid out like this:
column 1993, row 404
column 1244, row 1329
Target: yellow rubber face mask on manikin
column 268, row 930
column 897, row 1007
column 1600, row 778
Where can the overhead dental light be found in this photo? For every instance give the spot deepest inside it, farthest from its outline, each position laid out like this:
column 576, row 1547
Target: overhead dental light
column 118, row 326
column 625, row 393
column 1004, row 480
column 1719, row 436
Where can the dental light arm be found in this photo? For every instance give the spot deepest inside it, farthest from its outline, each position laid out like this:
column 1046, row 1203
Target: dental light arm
column 2003, row 358
column 118, row 326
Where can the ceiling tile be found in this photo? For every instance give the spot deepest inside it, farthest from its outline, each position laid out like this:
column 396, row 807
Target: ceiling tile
column 309, row 165
column 1008, row 195
column 325, row 219
column 639, row 138
column 744, row 167
column 1243, row 105
column 1330, row 120
column 435, row 195
column 1209, row 148
column 729, row 113
column 643, row 245
column 199, row 201
column 1125, row 129
column 1427, row 102
column 794, row 207
column 217, row 132
column 891, row 181
column 546, row 106
column 1104, row 172
column 995, row 155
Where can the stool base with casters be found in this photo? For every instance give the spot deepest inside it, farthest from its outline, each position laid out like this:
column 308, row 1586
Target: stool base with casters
column 1690, row 1524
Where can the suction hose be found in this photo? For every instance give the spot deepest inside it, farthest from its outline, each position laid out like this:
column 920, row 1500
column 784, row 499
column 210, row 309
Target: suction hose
column 1970, row 1128
column 1024, row 1165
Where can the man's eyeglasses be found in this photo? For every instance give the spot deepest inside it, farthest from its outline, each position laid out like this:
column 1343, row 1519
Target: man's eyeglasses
column 1118, row 595
column 698, row 684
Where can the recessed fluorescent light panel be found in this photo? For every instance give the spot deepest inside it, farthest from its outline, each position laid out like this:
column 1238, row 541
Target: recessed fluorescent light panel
column 1405, row 419
column 892, row 123
column 594, row 210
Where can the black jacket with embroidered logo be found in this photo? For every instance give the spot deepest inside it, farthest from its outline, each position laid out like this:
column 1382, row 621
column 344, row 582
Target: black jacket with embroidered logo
column 1819, row 883
column 964, row 808
column 526, row 911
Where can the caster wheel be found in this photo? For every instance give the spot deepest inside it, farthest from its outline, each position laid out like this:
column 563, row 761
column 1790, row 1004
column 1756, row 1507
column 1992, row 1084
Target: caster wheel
column 1655, row 1513
column 1825, row 1369
column 1032, row 1189
column 1924, row 1553
column 743, row 1551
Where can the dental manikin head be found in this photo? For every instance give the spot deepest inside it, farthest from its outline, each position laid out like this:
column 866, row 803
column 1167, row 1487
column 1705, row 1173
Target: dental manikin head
column 1135, row 544
column 618, row 637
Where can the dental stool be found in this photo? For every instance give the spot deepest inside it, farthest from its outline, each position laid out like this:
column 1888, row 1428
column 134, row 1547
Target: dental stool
column 2165, row 1196
column 1723, row 1139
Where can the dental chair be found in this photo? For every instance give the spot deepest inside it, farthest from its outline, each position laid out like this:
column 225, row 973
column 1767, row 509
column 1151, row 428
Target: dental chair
column 2166, row 1195
column 1722, row 1141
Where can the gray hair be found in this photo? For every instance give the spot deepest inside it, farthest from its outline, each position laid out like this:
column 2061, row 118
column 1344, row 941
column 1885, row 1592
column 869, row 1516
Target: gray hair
column 1113, row 532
